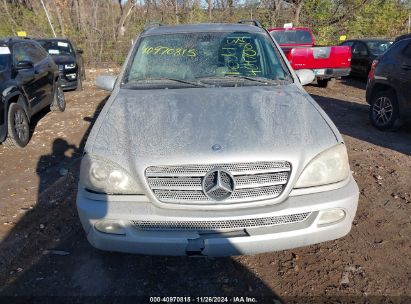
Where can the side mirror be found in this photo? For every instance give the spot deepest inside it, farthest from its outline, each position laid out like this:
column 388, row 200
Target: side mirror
column 24, row 65
column 106, row 82
column 80, row 51
column 305, row 76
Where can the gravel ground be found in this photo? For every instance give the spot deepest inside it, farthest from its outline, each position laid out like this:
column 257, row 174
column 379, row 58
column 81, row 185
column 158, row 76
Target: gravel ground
column 44, row 252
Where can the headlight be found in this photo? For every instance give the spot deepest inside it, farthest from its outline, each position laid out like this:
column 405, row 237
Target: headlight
column 103, row 176
column 70, row 66
column 330, row 166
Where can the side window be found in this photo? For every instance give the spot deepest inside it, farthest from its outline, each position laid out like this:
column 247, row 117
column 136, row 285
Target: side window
column 42, row 52
column 360, row 49
column 36, row 54
column 393, row 50
column 73, row 47
column 20, row 52
column 348, row 43
column 407, row 50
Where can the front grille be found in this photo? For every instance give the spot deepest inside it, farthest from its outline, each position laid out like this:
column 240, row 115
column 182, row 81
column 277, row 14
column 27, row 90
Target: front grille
column 184, row 184
column 222, row 224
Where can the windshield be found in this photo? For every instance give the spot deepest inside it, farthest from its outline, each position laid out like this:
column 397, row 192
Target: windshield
column 377, row 48
column 191, row 58
column 57, row 48
column 292, row 37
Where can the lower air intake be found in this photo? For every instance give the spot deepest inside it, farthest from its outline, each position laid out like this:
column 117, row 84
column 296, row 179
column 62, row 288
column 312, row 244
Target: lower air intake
column 222, row 224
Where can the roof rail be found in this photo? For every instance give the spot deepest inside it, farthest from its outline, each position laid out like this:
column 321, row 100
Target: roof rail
column 152, row 24
column 253, row 21
column 20, row 37
column 11, row 38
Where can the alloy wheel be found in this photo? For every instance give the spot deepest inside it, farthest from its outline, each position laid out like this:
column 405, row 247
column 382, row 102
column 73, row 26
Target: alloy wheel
column 20, row 125
column 382, row 111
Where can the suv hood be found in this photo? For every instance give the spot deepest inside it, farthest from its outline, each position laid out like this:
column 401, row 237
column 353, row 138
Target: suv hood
column 139, row 128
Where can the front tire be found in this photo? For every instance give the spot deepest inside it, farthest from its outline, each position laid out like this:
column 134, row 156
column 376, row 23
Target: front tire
column 18, row 131
column 326, row 83
column 384, row 113
column 59, row 102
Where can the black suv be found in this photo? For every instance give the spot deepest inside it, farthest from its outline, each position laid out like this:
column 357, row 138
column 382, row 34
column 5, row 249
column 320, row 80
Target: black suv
column 364, row 51
column 389, row 86
column 69, row 60
column 29, row 82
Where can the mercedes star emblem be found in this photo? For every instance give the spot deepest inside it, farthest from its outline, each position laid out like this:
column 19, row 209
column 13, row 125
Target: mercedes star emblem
column 218, row 184
column 216, row 147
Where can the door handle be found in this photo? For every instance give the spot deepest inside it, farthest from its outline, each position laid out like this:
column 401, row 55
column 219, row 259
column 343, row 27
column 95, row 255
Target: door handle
column 406, row 66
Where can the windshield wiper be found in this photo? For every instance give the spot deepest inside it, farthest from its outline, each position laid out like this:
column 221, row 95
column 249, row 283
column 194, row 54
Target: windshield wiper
column 257, row 79
column 193, row 83
column 263, row 80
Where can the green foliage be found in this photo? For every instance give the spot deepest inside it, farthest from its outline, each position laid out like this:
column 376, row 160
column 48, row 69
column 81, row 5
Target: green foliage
column 97, row 33
column 375, row 18
column 379, row 19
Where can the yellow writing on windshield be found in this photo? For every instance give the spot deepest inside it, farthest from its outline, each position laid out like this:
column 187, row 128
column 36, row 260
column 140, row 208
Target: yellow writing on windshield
column 165, row 50
column 240, row 56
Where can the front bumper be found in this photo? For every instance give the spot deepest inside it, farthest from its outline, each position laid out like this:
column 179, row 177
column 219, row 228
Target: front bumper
column 68, row 79
column 217, row 243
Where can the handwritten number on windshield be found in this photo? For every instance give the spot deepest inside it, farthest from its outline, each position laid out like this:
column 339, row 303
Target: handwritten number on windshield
column 165, row 50
column 246, row 60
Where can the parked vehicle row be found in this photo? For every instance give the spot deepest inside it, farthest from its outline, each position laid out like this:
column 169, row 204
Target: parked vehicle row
column 33, row 75
column 387, row 64
column 364, row 52
column 29, row 82
column 327, row 62
column 388, row 69
column 69, row 61
column 389, row 86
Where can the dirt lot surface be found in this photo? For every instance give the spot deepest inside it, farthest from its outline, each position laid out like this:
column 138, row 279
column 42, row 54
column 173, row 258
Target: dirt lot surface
column 44, row 252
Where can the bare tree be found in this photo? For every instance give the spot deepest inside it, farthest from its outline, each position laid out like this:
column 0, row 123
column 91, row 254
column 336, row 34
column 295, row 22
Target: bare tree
column 210, row 9
column 125, row 13
column 297, row 5
column 58, row 5
column 8, row 13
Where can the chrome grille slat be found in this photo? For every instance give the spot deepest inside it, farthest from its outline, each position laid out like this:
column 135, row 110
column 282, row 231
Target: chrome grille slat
column 198, row 195
column 195, row 183
column 270, row 191
column 184, row 184
column 261, row 179
column 175, row 183
column 222, row 224
column 235, row 169
column 193, row 195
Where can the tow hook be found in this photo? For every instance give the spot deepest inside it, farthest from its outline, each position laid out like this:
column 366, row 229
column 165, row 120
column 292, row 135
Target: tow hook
column 195, row 247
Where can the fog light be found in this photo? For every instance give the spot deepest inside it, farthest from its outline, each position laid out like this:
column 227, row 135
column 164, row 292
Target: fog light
column 111, row 227
column 331, row 216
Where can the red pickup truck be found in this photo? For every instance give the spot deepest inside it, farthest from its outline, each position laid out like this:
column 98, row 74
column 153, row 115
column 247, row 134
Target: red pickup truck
column 327, row 62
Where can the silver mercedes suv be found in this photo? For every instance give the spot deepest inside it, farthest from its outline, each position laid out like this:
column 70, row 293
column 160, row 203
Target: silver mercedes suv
column 209, row 145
